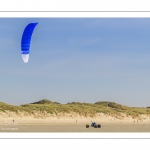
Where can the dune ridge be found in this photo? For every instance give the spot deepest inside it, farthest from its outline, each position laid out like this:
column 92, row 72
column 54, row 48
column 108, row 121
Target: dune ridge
column 46, row 111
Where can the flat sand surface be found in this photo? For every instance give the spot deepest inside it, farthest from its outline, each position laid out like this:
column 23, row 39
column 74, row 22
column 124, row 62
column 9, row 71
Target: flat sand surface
column 105, row 127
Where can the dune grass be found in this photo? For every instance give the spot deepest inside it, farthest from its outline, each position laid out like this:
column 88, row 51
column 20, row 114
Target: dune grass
column 85, row 109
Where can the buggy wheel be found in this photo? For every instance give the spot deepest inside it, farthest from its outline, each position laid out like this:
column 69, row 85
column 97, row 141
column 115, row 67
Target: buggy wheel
column 99, row 126
column 87, row 126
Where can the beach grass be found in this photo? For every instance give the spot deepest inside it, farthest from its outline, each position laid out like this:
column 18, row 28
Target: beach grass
column 85, row 109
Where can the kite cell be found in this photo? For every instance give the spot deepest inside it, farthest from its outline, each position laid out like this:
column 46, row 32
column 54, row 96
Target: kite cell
column 25, row 41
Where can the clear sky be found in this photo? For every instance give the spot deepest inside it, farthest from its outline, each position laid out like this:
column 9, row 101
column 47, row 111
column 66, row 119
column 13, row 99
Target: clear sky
column 76, row 60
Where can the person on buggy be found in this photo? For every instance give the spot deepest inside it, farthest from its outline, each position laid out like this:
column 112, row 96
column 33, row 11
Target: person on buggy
column 94, row 123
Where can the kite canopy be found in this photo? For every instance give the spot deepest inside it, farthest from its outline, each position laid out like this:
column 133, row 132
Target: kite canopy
column 25, row 42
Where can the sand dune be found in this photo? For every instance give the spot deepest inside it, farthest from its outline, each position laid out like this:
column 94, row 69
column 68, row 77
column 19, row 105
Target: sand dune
column 71, row 122
column 71, row 118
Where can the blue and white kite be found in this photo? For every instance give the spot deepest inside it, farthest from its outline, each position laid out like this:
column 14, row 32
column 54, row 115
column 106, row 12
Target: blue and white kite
column 25, row 42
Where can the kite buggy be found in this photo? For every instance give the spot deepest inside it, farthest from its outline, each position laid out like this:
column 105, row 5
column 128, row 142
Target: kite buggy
column 94, row 124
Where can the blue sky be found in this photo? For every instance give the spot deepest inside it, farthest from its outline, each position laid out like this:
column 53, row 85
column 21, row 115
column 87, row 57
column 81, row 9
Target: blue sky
column 76, row 59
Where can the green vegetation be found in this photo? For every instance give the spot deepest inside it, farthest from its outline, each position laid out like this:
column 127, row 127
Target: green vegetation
column 45, row 101
column 85, row 109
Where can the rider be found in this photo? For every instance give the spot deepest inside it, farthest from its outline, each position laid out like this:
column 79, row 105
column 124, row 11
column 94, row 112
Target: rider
column 94, row 123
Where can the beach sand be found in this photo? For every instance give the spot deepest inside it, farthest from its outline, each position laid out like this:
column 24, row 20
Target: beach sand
column 69, row 123
column 77, row 128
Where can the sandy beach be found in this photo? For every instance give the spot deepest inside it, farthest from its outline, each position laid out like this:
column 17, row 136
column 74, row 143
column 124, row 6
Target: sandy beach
column 76, row 128
column 70, row 123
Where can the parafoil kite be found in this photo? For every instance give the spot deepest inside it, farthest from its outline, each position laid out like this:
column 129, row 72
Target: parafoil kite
column 25, row 41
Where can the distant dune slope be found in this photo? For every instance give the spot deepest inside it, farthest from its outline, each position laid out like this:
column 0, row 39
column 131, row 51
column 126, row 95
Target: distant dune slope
column 46, row 108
